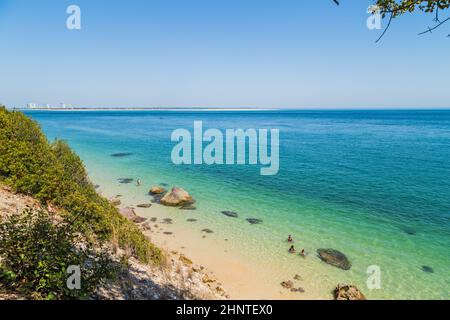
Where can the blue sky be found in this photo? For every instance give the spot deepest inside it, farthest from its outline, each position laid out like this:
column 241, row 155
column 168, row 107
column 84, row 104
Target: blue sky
column 266, row 53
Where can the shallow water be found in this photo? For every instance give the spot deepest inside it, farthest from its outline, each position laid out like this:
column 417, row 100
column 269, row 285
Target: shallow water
column 372, row 184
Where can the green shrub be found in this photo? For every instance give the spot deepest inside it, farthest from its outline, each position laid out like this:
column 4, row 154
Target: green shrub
column 36, row 252
column 53, row 173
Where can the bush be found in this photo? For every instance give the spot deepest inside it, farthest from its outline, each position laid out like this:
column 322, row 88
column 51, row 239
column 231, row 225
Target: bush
column 53, row 173
column 36, row 253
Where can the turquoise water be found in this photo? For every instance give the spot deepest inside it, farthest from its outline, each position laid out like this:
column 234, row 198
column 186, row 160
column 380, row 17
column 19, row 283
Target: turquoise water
column 372, row 184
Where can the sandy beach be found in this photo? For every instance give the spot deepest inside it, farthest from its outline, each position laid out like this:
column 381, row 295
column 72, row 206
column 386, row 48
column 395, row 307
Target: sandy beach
column 234, row 271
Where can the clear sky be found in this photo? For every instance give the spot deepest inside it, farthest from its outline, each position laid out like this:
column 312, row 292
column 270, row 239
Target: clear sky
column 261, row 53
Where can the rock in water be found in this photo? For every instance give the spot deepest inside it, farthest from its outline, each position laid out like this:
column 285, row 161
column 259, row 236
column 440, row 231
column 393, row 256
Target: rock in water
column 157, row 190
column 176, row 197
column 348, row 292
column 409, row 231
column 254, row 221
column 125, row 180
column 121, row 155
column 334, row 258
column 427, row 269
column 230, row 214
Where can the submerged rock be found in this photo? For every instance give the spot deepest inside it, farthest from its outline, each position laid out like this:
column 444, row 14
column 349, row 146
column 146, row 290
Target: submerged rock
column 188, row 206
column 177, row 197
column 427, row 269
column 207, row 231
column 230, row 214
column 191, row 220
column 409, row 231
column 334, row 258
column 348, row 292
column 254, row 221
column 299, row 289
column 168, row 221
column 121, row 155
column 125, row 180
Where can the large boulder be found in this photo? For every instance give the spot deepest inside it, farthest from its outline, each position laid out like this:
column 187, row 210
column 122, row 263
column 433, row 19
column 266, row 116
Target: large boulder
column 334, row 258
column 131, row 215
column 176, row 197
column 348, row 292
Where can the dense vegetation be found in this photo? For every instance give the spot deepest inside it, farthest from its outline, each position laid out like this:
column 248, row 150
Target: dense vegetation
column 55, row 175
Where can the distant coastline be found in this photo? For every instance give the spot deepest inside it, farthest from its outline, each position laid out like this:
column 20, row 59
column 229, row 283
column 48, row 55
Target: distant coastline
column 147, row 109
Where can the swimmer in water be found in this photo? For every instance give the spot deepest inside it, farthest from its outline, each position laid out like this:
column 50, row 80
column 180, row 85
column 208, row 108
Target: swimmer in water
column 292, row 249
column 290, row 239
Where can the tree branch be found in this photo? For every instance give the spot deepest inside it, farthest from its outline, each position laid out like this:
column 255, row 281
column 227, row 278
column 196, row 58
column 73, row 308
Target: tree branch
column 387, row 27
column 430, row 30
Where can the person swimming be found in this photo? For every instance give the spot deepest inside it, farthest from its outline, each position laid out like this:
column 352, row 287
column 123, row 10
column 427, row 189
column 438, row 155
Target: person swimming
column 290, row 239
column 138, row 182
column 303, row 253
column 292, row 249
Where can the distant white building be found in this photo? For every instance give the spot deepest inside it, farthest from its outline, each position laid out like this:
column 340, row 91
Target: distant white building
column 31, row 106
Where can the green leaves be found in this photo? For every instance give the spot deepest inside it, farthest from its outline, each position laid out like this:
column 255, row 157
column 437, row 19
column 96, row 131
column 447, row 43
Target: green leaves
column 34, row 247
column 400, row 7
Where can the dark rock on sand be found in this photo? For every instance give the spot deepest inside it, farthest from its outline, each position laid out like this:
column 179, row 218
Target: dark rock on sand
column 146, row 226
column 131, row 215
column 334, row 258
column 121, row 155
column 230, row 214
column 348, row 292
column 138, row 219
column 125, row 180
column 115, row 202
column 427, row 269
column 254, row 221
column 207, row 231
column 287, row 284
column 144, row 205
